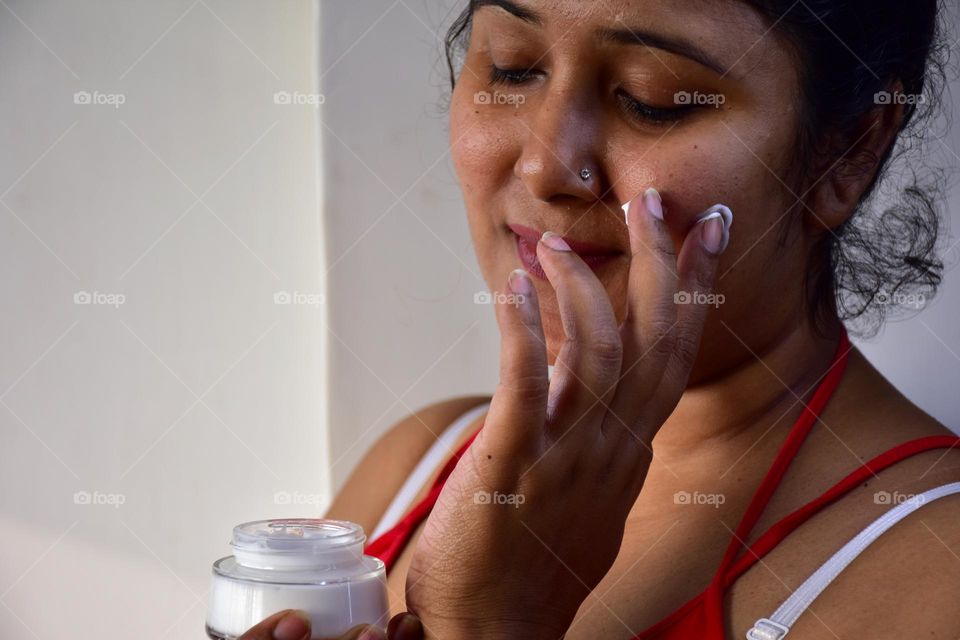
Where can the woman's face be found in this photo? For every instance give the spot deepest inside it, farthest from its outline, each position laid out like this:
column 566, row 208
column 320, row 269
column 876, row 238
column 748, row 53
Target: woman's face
column 698, row 99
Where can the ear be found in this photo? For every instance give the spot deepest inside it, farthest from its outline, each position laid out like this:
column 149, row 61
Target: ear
column 844, row 179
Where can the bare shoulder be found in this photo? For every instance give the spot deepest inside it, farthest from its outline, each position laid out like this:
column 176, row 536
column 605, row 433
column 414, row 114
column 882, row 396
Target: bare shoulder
column 375, row 480
column 906, row 584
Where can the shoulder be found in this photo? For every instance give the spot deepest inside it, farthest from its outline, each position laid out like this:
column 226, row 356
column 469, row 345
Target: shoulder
column 907, row 582
column 385, row 466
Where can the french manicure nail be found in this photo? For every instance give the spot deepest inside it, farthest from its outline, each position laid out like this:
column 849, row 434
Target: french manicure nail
column 725, row 215
column 293, row 626
column 520, row 282
column 711, row 236
column 653, row 203
column 554, row 241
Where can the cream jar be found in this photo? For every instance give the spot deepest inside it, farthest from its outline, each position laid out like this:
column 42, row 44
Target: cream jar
column 314, row 565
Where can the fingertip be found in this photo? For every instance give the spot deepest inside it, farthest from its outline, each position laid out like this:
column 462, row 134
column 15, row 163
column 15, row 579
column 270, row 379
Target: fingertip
column 714, row 227
column 405, row 626
column 653, row 203
column 520, row 283
column 711, row 233
column 294, row 625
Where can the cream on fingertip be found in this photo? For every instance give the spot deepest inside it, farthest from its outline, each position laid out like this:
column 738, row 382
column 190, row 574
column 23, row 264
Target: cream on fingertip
column 651, row 201
column 725, row 214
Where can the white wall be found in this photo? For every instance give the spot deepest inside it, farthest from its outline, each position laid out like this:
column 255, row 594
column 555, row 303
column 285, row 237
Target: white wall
column 405, row 331
column 198, row 398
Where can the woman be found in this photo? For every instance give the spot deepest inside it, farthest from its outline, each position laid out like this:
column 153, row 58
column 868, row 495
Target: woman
column 692, row 357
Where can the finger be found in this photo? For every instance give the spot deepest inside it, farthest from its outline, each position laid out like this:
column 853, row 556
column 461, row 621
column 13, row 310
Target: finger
column 697, row 266
column 518, row 407
column 650, row 311
column 286, row 625
column 663, row 366
column 405, row 626
column 588, row 364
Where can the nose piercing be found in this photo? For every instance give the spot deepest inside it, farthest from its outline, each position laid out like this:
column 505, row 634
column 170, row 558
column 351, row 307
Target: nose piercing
column 585, row 174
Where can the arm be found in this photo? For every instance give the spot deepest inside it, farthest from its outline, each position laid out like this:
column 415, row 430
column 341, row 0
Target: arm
column 391, row 459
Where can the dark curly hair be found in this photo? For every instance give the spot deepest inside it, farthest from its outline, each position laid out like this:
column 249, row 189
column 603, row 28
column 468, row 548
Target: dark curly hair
column 853, row 53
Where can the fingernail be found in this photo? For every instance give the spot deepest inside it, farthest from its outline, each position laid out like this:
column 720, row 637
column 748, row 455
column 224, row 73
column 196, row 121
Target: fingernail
column 293, row 626
column 372, row 634
column 410, row 628
column 712, row 235
column 405, row 626
column 554, row 241
column 520, row 282
column 653, row 203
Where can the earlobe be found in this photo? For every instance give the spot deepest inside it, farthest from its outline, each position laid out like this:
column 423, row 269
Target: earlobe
column 842, row 181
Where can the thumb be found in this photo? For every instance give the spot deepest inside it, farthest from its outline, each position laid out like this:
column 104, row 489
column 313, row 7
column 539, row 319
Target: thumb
column 291, row 624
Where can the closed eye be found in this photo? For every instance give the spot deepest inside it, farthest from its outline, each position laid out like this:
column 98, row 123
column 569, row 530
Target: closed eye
column 650, row 113
column 510, row 76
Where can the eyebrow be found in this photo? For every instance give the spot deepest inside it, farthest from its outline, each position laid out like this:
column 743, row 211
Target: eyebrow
column 637, row 36
column 524, row 14
column 626, row 35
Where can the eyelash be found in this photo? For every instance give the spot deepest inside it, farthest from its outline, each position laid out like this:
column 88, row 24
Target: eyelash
column 509, row 76
column 637, row 109
column 655, row 115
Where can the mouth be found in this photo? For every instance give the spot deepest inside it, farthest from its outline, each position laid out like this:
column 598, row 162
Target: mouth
column 595, row 256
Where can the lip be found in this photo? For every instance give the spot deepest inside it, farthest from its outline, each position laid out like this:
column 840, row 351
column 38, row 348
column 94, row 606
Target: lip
column 583, row 249
column 594, row 255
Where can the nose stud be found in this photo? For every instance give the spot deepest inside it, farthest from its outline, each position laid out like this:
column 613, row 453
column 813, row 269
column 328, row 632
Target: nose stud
column 586, row 174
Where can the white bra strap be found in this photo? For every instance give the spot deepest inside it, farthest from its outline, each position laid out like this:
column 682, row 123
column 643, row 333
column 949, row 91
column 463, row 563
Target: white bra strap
column 776, row 626
column 439, row 451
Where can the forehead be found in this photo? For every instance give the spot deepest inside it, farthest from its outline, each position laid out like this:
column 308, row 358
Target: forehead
column 735, row 34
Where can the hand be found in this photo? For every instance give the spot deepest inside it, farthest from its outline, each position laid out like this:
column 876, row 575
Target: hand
column 295, row 625
column 533, row 515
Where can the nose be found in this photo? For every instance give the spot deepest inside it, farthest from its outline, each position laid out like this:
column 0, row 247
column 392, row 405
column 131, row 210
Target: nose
column 560, row 156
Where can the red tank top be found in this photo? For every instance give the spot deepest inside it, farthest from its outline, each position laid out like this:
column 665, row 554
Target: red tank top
column 703, row 617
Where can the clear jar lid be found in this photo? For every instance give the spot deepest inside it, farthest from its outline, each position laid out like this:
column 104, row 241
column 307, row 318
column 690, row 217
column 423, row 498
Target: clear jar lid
column 298, row 544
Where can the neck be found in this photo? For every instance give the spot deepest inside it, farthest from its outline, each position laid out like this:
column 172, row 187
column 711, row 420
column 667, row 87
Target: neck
column 755, row 384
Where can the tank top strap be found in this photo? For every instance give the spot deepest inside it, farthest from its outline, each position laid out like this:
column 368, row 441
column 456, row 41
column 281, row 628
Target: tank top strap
column 782, row 528
column 788, row 451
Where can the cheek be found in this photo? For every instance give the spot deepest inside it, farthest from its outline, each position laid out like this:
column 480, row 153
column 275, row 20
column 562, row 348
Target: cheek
column 480, row 146
column 483, row 156
column 695, row 174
